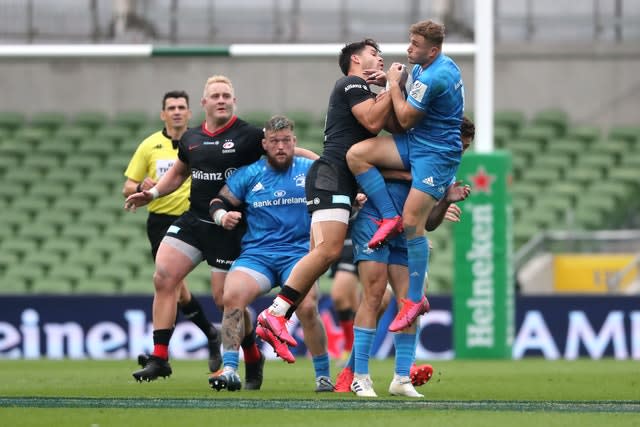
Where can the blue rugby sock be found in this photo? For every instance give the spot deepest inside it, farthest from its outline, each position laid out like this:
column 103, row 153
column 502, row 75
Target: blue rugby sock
column 362, row 342
column 418, row 255
column 230, row 358
column 321, row 365
column 405, row 352
column 373, row 185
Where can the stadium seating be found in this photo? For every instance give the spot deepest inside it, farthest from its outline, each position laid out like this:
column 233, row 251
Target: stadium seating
column 523, row 231
column 64, row 176
column 23, row 272
column 7, row 161
column 10, row 192
column 80, row 233
column 557, row 205
column 313, row 140
column 525, row 148
column 554, row 118
column 11, row 120
column 566, row 190
column 31, row 136
column 96, row 285
column 586, row 134
column 512, row 119
column 49, row 121
column 115, row 273
column 65, row 231
column 52, row 285
column 584, row 175
column 599, row 161
column 99, row 146
column 303, row 120
column 65, row 247
column 91, row 119
column 553, row 162
column 16, row 148
column 630, row 134
column 256, row 118
column 543, row 134
column 501, row 136
column 113, row 133
column 82, row 162
column 59, row 146
column 41, row 162
column 133, row 120
column 615, row 147
column 69, row 275
column 104, row 247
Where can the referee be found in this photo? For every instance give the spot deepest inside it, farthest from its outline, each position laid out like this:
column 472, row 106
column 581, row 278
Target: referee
column 153, row 157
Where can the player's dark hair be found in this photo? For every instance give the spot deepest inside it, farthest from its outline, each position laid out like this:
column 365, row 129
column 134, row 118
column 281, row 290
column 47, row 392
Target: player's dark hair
column 467, row 128
column 277, row 123
column 344, row 60
column 174, row 94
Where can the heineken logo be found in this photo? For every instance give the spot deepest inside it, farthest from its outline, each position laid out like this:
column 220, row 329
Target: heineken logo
column 483, row 299
column 481, row 181
column 480, row 302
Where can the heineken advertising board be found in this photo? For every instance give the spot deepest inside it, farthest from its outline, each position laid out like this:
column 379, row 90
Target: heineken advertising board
column 483, row 300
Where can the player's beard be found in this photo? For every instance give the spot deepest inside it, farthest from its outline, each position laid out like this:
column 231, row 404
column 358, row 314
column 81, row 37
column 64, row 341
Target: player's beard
column 280, row 165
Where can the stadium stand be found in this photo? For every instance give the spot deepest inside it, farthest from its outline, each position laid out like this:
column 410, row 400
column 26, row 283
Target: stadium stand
column 303, row 120
column 116, row 133
column 584, row 134
column 11, row 120
column 91, row 120
column 556, row 119
column 630, row 134
column 256, row 118
column 48, row 121
column 65, row 230
column 131, row 120
column 510, row 119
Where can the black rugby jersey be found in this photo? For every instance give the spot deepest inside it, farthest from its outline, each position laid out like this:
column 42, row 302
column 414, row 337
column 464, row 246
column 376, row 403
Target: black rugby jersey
column 213, row 157
column 342, row 129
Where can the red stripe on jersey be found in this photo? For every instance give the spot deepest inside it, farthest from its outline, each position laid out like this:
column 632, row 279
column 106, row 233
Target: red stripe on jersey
column 222, row 129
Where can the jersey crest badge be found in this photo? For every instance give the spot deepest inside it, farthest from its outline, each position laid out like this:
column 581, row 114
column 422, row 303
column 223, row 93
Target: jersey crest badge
column 299, row 180
column 418, row 90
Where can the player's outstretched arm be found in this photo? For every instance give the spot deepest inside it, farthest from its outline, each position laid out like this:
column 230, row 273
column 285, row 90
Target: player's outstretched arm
column 131, row 186
column 375, row 77
column 455, row 193
column 453, row 213
column 137, row 200
column 169, row 182
column 303, row 152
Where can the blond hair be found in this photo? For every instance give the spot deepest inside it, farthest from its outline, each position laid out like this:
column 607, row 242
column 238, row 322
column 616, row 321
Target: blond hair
column 218, row 78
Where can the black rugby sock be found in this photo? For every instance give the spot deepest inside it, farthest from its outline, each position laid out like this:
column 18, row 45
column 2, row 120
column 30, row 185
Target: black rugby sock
column 193, row 311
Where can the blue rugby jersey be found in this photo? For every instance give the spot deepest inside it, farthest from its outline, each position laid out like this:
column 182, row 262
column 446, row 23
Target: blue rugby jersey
column 275, row 206
column 438, row 91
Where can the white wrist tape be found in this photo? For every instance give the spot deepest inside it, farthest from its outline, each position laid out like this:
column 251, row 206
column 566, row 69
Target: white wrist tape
column 154, row 193
column 217, row 216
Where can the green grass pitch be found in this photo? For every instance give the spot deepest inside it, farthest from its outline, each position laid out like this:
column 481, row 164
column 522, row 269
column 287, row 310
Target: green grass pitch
column 530, row 392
